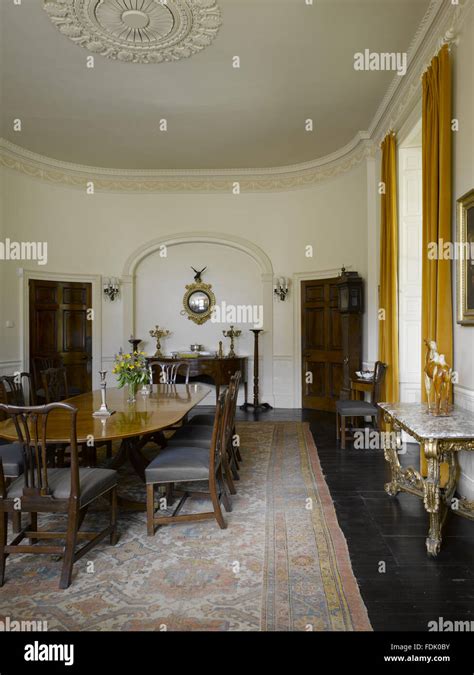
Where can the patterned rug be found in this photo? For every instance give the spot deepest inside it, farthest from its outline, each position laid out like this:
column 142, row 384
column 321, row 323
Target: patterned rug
column 281, row 565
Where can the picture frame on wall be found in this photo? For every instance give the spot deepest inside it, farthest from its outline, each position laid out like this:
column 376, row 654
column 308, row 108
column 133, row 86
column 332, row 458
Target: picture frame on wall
column 465, row 262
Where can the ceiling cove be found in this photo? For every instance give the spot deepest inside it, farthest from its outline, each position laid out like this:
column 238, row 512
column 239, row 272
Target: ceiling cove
column 439, row 24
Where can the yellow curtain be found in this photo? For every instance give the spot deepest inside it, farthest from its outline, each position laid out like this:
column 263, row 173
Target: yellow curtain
column 437, row 312
column 388, row 290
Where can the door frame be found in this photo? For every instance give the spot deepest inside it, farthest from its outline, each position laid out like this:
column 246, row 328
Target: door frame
column 96, row 282
column 298, row 277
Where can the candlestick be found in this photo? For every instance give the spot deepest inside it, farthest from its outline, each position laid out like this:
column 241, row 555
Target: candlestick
column 134, row 342
column 103, row 410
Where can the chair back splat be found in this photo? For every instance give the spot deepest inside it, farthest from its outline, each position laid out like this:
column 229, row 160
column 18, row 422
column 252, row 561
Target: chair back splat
column 31, row 428
column 164, row 372
column 380, row 370
column 229, row 426
column 55, row 385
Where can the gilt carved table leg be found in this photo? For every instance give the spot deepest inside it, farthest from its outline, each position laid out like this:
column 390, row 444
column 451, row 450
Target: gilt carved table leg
column 391, row 456
column 435, row 507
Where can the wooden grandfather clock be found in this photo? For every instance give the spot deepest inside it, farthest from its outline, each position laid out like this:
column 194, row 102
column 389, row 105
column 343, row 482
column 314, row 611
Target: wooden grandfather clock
column 351, row 309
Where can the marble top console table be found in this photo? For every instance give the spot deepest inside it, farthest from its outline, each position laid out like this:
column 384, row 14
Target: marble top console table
column 441, row 438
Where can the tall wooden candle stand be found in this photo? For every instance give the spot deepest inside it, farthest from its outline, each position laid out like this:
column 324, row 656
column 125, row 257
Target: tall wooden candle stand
column 134, row 342
column 256, row 405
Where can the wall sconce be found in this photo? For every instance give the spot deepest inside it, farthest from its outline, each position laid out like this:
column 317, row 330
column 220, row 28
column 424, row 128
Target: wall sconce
column 111, row 288
column 281, row 288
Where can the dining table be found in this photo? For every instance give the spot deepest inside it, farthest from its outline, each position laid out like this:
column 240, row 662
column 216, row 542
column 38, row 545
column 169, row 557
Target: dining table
column 130, row 423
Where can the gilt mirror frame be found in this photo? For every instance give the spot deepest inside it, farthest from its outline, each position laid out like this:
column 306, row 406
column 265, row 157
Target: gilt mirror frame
column 465, row 265
column 198, row 317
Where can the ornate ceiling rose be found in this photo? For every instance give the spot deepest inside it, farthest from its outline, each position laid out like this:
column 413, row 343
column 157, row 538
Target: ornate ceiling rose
column 137, row 31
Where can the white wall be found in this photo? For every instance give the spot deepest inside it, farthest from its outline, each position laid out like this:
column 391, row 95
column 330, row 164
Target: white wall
column 95, row 234
column 463, row 166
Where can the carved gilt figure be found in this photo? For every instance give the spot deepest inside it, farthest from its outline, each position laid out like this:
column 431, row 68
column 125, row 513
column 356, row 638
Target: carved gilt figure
column 438, row 379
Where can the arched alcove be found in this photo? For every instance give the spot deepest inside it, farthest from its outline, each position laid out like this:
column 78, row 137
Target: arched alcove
column 233, row 245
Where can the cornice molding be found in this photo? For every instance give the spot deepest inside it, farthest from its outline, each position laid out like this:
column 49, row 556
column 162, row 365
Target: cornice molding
column 440, row 24
column 273, row 179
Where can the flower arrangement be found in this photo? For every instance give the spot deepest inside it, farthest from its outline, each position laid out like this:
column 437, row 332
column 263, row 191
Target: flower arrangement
column 131, row 369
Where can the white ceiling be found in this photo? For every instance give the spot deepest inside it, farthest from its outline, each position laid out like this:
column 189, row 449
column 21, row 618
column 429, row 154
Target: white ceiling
column 296, row 63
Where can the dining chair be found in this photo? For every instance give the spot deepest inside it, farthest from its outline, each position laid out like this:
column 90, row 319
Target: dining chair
column 187, row 464
column 201, row 435
column 165, row 372
column 14, row 392
column 55, row 387
column 55, row 384
column 40, row 363
column 41, row 489
column 207, row 419
column 18, row 389
column 353, row 409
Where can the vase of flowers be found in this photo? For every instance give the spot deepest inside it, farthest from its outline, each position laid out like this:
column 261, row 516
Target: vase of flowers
column 131, row 370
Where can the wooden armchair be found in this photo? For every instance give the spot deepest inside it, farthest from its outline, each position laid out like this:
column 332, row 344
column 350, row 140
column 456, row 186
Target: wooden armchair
column 41, row 489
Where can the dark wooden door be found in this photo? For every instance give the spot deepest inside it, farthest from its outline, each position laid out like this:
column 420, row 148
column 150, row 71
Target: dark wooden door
column 321, row 348
column 60, row 326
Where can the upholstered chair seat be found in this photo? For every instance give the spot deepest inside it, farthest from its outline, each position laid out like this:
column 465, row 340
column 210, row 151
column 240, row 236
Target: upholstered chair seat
column 356, row 408
column 93, row 482
column 178, row 464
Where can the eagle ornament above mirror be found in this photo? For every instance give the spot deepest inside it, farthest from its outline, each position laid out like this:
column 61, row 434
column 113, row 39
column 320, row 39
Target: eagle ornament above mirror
column 198, row 300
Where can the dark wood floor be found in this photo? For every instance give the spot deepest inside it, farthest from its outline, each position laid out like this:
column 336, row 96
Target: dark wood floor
column 415, row 589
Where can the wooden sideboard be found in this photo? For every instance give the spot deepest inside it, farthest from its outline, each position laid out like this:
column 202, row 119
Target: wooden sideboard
column 218, row 370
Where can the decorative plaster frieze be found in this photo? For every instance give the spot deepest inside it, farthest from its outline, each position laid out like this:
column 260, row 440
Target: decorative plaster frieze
column 250, row 180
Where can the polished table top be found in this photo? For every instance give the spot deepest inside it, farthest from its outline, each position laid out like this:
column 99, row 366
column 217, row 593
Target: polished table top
column 165, row 406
